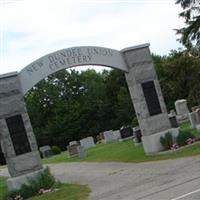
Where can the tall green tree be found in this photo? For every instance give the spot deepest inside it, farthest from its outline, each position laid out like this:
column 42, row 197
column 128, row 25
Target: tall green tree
column 179, row 75
column 70, row 105
column 117, row 94
column 124, row 108
column 190, row 34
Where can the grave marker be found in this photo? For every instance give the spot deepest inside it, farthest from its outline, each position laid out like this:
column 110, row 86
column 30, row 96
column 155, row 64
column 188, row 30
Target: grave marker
column 73, row 150
column 46, row 151
column 182, row 110
column 87, row 142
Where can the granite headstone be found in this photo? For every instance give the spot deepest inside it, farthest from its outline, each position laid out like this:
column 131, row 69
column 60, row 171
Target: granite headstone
column 46, row 151
column 81, row 151
column 116, row 135
column 172, row 119
column 108, row 136
column 87, row 142
column 137, row 135
column 126, row 132
column 73, row 150
column 182, row 110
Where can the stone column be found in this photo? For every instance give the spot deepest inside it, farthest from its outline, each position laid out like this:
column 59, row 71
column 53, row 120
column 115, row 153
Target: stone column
column 147, row 97
column 17, row 139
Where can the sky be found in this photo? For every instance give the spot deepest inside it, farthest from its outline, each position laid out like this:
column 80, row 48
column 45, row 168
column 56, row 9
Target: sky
column 30, row 29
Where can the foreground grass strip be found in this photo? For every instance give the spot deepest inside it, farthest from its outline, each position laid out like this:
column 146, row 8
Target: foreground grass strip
column 126, row 152
column 66, row 192
column 3, row 187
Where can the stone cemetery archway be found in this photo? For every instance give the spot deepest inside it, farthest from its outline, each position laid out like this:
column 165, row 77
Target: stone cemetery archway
column 17, row 138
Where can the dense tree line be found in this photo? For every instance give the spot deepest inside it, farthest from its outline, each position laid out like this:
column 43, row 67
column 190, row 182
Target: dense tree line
column 179, row 76
column 71, row 105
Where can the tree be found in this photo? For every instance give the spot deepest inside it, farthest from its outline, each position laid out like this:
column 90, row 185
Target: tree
column 70, row 105
column 124, row 108
column 118, row 100
column 179, row 75
column 190, row 34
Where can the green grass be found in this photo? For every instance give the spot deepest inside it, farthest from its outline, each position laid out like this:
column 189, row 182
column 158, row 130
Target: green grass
column 186, row 127
column 125, row 152
column 66, row 192
column 3, row 187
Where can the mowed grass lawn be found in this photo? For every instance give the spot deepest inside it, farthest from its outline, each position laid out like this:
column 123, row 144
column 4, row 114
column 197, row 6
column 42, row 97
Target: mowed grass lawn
column 125, row 152
column 3, row 187
column 66, row 192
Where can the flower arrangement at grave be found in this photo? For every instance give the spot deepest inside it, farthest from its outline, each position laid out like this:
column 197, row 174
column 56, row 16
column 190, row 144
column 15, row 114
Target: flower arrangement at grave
column 44, row 191
column 189, row 141
column 17, row 197
column 174, row 146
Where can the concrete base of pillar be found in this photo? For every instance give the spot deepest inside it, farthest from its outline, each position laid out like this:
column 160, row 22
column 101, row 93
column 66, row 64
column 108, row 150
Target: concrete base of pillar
column 15, row 183
column 151, row 143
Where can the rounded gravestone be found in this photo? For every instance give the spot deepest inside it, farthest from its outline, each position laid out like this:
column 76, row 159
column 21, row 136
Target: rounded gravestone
column 181, row 107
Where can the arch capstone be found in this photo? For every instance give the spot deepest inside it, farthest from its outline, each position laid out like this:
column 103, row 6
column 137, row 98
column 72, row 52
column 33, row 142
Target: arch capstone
column 67, row 58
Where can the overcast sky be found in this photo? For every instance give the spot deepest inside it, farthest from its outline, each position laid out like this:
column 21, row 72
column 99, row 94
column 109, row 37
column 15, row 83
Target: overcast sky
column 30, row 29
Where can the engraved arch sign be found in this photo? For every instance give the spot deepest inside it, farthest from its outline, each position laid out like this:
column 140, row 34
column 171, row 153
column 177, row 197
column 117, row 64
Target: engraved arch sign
column 66, row 58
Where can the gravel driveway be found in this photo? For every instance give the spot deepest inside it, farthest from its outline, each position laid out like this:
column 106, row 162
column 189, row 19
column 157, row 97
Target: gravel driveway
column 161, row 180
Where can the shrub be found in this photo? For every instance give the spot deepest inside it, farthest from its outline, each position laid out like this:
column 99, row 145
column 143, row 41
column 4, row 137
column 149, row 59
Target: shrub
column 183, row 136
column 166, row 141
column 44, row 180
column 56, row 150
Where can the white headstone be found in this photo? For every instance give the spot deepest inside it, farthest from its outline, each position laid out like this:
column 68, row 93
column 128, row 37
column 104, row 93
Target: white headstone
column 193, row 117
column 72, row 143
column 108, row 136
column 87, row 142
column 81, row 152
column 198, row 115
column 181, row 107
column 182, row 111
column 116, row 135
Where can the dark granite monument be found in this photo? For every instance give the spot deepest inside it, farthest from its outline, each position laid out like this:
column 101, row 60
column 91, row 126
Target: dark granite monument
column 126, row 132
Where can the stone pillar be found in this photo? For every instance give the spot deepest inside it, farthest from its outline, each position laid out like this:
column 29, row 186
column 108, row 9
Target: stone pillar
column 147, row 97
column 17, row 139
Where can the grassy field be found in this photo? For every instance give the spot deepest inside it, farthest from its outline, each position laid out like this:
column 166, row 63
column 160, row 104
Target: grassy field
column 122, row 152
column 125, row 152
column 186, row 127
column 66, row 192
column 3, row 187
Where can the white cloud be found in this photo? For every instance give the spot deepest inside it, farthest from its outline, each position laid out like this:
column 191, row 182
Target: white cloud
column 33, row 28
